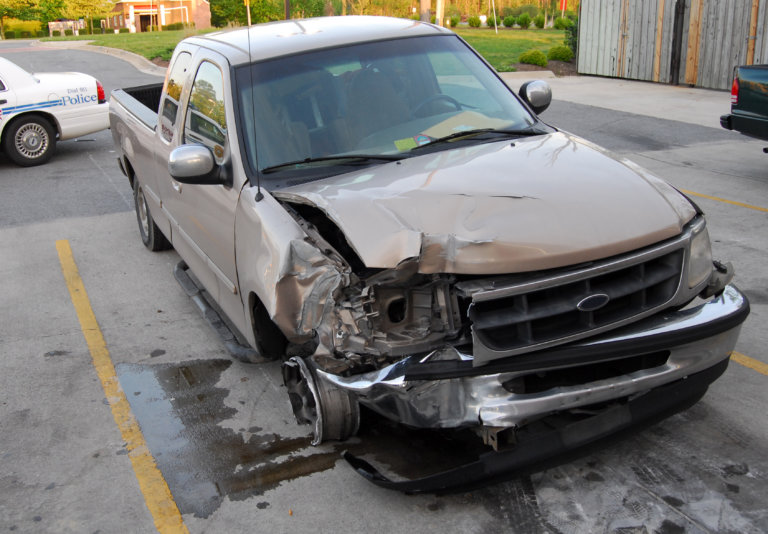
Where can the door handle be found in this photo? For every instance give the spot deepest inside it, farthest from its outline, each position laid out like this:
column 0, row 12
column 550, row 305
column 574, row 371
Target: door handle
column 3, row 101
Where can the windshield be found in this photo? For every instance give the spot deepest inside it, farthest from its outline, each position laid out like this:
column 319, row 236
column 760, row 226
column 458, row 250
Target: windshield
column 384, row 98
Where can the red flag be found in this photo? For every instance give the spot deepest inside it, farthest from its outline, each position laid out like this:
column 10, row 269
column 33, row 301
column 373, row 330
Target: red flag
column 563, row 5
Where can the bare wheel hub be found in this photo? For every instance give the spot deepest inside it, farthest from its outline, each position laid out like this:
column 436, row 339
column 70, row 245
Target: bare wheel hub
column 31, row 140
column 333, row 413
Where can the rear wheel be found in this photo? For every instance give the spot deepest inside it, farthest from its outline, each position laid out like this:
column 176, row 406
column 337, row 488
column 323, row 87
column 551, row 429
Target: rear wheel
column 30, row 141
column 151, row 235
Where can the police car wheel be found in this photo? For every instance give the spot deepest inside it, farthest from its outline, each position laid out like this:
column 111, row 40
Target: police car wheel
column 29, row 141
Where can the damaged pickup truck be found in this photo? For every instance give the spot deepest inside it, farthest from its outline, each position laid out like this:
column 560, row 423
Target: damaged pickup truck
column 366, row 199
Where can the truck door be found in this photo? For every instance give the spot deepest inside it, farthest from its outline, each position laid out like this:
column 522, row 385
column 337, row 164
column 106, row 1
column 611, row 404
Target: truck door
column 203, row 216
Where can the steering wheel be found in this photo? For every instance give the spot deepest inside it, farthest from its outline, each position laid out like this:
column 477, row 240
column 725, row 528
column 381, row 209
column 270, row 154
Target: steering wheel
column 435, row 98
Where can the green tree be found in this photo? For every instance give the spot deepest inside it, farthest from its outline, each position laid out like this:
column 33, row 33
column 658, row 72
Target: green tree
column 49, row 10
column 87, row 9
column 17, row 9
column 232, row 12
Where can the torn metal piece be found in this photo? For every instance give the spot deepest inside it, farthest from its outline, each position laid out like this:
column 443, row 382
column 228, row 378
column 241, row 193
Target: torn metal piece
column 650, row 407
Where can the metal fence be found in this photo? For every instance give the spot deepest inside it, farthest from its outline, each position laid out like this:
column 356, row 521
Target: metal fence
column 695, row 42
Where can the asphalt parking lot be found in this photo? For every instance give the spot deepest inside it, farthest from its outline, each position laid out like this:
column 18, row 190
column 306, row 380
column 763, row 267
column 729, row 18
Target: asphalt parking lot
column 122, row 412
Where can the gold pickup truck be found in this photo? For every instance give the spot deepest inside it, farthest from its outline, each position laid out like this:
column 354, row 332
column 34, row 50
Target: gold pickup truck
column 365, row 199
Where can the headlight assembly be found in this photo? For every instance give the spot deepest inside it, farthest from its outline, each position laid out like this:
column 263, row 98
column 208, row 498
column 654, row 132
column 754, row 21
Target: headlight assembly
column 700, row 258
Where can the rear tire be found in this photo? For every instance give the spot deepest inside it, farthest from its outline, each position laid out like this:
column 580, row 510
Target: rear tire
column 29, row 141
column 150, row 234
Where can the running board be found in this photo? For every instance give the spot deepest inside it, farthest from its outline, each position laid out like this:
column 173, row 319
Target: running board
column 237, row 350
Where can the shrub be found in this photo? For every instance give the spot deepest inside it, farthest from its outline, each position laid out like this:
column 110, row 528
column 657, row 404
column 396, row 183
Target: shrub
column 534, row 57
column 26, row 35
column 561, row 23
column 572, row 36
column 432, row 19
column 40, row 33
column 492, row 21
column 10, row 34
column 84, row 31
column 524, row 21
column 560, row 53
column 124, row 30
column 531, row 9
column 174, row 26
column 68, row 32
column 507, row 11
column 56, row 33
column 455, row 19
column 474, row 21
column 539, row 21
column 509, row 21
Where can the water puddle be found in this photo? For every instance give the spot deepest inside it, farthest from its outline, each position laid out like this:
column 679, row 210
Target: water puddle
column 179, row 409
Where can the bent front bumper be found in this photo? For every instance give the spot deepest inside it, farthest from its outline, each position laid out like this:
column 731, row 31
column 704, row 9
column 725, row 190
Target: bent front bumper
column 444, row 390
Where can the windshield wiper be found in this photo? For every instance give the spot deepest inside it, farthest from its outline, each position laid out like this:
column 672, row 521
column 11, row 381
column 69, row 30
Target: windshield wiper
column 349, row 159
column 467, row 134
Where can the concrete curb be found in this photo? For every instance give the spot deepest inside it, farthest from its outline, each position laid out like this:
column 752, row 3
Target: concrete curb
column 140, row 62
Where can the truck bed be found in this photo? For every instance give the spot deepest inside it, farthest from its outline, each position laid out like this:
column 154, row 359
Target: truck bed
column 749, row 114
column 142, row 101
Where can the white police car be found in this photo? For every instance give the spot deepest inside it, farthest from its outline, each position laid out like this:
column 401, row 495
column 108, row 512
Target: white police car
column 38, row 109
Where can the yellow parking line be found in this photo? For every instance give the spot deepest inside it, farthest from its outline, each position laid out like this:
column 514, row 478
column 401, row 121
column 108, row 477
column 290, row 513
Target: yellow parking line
column 733, row 202
column 746, row 361
column 156, row 493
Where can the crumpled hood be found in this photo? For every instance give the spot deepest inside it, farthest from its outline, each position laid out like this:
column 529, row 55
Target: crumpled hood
column 514, row 206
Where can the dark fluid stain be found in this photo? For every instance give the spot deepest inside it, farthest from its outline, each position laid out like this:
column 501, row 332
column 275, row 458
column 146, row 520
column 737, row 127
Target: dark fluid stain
column 594, row 477
column 668, row 527
column 179, row 411
column 262, row 505
column 157, row 352
column 56, row 353
column 435, row 506
column 50, row 486
column 37, row 519
column 757, row 296
column 733, row 488
column 673, row 501
column 735, row 470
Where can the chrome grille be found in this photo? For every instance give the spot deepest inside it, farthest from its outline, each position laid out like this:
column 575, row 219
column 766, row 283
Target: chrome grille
column 541, row 316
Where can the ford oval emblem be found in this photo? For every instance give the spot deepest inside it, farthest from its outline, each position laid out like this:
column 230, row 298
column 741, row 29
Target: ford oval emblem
column 593, row 302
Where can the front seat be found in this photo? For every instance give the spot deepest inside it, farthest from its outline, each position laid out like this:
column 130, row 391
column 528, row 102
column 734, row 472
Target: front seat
column 373, row 104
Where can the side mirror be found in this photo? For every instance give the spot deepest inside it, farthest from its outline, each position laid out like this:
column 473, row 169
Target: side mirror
column 194, row 164
column 537, row 94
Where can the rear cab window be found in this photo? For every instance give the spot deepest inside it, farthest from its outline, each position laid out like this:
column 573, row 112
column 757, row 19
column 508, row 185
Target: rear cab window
column 173, row 89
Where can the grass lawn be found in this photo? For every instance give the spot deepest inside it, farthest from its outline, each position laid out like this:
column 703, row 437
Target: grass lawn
column 502, row 50
column 150, row 44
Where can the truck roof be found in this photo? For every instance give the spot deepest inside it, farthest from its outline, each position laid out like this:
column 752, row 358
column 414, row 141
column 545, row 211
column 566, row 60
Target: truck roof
column 275, row 39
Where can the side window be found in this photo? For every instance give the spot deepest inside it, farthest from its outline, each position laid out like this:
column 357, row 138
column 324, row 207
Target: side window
column 173, row 89
column 205, row 122
column 2, row 86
